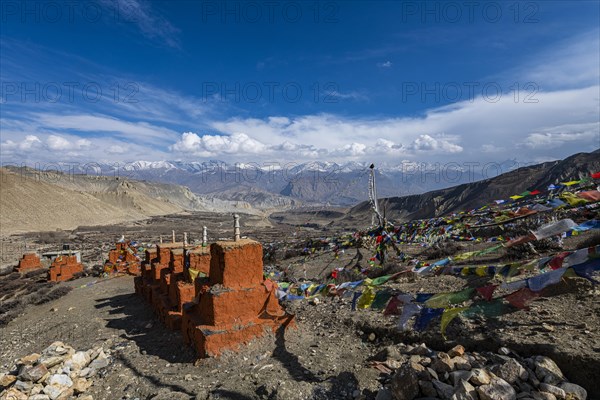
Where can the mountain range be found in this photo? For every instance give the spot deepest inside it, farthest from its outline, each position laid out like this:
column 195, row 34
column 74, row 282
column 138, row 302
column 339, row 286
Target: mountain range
column 472, row 195
column 273, row 185
column 32, row 199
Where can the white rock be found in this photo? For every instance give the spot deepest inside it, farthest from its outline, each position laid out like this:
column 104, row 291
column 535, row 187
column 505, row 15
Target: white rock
column 39, row 397
column 52, row 391
column 555, row 390
column 543, row 396
column 78, row 361
column 547, row 371
column 101, row 361
column 574, row 390
column 498, row 389
column 13, row 394
column 60, row 380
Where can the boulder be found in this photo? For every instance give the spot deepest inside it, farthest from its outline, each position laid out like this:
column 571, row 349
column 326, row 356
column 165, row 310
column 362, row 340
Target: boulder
column 456, row 351
column 444, row 390
column 33, row 373
column 575, row 391
column 6, row 380
column 547, row 371
column 13, row 394
column 511, row 371
column 427, row 389
column 405, row 383
column 384, row 394
column 498, row 389
column 464, row 391
column 480, row 377
column 555, row 390
column 443, row 363
column 457, row 376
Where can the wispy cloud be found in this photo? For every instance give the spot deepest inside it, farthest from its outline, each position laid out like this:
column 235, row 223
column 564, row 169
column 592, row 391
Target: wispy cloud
column 149, row 22
column 565, row 118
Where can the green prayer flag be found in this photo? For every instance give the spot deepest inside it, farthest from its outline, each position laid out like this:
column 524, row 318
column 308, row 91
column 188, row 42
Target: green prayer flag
column 443, row 300
column 486, row 308
column 381, row 299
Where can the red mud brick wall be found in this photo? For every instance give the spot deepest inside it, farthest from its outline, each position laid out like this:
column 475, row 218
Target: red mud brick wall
column 29, row 262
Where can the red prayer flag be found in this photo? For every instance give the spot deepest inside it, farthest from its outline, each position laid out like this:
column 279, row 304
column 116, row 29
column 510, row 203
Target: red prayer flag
column 557, row 261
column 487, row 291
column 521, row 298
column 535, row 192
column 596, row 175
column 392, row 307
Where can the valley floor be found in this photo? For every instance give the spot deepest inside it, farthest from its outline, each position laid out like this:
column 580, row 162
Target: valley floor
column 326, row 357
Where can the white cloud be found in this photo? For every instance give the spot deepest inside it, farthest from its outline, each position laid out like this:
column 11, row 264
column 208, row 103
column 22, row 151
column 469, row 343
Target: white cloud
column 149, row 22
column 386, row 64
column 353, row 149
column 558, row 136
column 491, row 148
column 116, row 149
column 208, row 145
column 464, row 129
column 55, row 142
column 571, row 63
column 426, row 143
column 30, row 142
column 137, row 131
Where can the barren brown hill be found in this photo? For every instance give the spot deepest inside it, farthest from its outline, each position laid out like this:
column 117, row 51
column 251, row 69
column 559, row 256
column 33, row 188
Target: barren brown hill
column 476, row 194
column 30, row 204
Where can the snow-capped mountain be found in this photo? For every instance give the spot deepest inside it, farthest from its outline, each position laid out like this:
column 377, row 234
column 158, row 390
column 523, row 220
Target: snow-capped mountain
column 319, row 182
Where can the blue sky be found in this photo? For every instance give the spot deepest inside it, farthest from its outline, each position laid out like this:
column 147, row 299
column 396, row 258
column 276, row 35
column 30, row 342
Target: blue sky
column 125, row 80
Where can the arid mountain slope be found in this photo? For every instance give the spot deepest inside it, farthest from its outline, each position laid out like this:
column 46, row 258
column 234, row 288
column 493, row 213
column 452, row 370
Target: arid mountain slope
column 28, row 204
column 472, row 195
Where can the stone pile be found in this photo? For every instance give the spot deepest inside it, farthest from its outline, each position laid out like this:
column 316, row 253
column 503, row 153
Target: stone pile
column 58, row 373
column 29, row 262
column 418, row 372
column 123, row 258
column 216, row 295
column 64, row 268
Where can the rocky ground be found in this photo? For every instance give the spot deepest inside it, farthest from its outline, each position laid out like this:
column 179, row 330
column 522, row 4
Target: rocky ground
column 333, row 353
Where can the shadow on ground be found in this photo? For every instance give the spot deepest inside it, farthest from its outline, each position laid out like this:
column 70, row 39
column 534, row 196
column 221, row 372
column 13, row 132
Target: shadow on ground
column 134, row 318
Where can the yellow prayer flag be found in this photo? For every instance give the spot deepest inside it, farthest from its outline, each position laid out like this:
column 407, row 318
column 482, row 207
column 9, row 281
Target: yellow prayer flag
column 448, row 315
column 464, row 256
column 193, row 274
column 366, row 299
